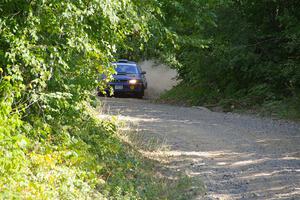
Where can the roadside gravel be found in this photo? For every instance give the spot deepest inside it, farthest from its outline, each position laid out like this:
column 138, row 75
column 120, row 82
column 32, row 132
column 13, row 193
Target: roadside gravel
column 237, row 156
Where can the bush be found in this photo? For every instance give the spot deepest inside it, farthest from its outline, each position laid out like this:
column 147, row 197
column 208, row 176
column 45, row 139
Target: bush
column 239, row 58
column 51, row 55
column 81, row 159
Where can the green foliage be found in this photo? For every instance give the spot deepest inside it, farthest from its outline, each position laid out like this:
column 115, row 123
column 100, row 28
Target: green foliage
column 183, row 94
column 51, row 55
column 71, row 162
column 243, row 52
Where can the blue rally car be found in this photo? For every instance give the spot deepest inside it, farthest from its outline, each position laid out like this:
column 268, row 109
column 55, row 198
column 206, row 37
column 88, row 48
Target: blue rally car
column 129, row 79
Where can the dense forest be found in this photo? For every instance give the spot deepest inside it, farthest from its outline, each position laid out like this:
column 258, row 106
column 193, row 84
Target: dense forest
column 51, row 55
column 240, row 54
column 235, row 52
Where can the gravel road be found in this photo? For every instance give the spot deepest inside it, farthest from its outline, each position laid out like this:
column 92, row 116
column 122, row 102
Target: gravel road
column 237, row 156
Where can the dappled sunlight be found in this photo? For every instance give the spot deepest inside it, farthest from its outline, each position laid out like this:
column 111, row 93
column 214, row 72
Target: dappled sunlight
column 267, row 140
column 221, row 163
column 194, row 154
column 137, row 119
column 127, row 118
column 248, row 165
column 242, row 170
column 269, row 173
column 295, row 193
column 290, row 158
column 222, row 196
column 245, row 177
column 248, row 162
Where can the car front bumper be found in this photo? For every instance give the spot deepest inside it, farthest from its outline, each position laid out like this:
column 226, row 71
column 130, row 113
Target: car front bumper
column 126, row 87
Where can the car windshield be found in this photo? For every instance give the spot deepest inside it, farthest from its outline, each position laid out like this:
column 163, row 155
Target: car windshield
column 126, row 69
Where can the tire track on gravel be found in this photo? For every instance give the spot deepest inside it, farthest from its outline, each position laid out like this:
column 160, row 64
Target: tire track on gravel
column 237, row 156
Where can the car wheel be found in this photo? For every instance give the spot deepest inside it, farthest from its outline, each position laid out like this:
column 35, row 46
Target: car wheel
column 140, row 95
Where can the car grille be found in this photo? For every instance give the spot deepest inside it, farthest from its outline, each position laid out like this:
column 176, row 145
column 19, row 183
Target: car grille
column 120, row 81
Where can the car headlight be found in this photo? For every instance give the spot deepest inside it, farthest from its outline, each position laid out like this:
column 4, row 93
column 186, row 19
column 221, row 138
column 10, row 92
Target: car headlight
column 133, row 81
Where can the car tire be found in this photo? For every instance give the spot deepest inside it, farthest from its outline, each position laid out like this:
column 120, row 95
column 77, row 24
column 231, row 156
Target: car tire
column 141, row 94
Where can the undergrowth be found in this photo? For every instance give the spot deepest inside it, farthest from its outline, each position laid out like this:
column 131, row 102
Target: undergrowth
column 81, row 159
column 254, row 102
column 52, row 55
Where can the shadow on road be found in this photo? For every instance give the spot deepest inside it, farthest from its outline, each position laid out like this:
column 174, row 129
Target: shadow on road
column 238, row 157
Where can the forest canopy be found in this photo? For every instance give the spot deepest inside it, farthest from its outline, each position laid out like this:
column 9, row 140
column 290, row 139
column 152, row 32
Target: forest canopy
column 52, row 52
column 51, row 55
column 238, row 52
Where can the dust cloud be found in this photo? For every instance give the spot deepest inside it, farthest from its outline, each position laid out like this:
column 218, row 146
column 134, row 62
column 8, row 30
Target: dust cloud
column 159, row 77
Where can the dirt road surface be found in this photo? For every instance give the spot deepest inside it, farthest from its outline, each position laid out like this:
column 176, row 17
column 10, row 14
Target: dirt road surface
column 237, row 156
